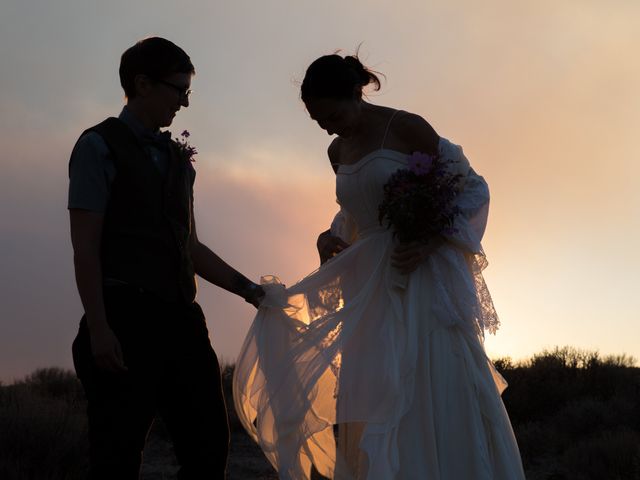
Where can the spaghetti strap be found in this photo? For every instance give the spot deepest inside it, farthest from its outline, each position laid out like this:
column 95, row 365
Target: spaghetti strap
column 387, row 129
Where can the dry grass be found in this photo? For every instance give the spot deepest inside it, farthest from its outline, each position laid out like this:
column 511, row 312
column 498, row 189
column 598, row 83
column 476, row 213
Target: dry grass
column 43, row 428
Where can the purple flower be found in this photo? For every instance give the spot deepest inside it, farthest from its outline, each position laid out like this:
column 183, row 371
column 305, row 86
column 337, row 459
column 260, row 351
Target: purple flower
column 420, row 163
column 186, row 151
column 419, row 201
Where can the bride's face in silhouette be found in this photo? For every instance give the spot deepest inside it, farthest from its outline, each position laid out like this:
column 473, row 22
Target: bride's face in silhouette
column 335, row 116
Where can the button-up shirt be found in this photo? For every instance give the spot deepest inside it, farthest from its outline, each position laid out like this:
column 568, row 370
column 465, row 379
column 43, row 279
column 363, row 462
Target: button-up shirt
column 92, row 170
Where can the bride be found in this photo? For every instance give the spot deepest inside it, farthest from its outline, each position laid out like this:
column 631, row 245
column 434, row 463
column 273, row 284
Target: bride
column 373, row 366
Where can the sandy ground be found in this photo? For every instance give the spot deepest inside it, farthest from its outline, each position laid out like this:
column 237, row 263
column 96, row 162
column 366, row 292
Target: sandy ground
column 246, row 461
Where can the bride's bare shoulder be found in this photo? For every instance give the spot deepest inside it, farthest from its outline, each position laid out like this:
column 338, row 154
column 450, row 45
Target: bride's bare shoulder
column 417, row 132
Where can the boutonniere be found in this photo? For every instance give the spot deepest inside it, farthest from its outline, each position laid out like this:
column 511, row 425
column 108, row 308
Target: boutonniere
column 185, row 150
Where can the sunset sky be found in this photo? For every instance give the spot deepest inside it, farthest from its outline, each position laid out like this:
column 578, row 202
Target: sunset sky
column 543, row 96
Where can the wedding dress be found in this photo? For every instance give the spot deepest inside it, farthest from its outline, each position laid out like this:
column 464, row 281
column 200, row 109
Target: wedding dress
column 370, row 374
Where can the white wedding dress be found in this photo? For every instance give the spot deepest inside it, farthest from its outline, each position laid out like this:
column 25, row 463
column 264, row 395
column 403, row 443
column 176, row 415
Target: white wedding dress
column 369, row 374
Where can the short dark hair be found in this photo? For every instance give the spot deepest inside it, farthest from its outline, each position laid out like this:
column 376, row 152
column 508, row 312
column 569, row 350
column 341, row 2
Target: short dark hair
column 336, row 77
column 155, row 57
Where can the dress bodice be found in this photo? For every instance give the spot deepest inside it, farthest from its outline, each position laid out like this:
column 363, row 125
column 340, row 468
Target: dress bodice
column 360, row 186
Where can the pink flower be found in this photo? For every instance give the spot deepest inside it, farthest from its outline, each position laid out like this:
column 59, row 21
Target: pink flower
column 420, row 163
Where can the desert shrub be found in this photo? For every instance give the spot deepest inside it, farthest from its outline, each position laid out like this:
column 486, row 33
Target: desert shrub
column 543, row 385
column 582, row 417
column 612, row 456
column 536, row 440
column 42, row 430
column 503, row 364
column 622, row 360
column 564, row 358
column 54, row 383
column 561, row 400
column 589, row 416
column 227, row 380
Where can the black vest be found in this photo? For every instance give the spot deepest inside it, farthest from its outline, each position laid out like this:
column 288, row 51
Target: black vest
column 148, row 221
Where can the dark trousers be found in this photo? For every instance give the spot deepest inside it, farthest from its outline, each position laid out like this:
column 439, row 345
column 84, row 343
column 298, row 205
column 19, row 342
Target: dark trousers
column 173, row 372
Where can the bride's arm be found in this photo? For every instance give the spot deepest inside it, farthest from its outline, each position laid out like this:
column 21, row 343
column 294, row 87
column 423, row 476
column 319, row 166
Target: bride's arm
column 329, row 245
column 468, row 227
column 417, row 135
column 472, row 201
column 342, row 231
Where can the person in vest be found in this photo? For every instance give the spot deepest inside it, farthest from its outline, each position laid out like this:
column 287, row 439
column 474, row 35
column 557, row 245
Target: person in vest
column 143, row 347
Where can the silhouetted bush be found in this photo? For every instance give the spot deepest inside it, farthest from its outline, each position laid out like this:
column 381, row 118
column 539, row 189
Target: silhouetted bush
column 55, row 383
column 611, row 455
column 43, row 428
column 561, row 401
column 227, row 379
column 576, row 416
column 543, row 385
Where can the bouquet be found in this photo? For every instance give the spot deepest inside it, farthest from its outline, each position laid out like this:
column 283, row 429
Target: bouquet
column 418, row 201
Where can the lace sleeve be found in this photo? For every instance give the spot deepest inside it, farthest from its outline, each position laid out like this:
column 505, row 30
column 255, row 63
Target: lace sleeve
column 469, row 228
column 473, row 202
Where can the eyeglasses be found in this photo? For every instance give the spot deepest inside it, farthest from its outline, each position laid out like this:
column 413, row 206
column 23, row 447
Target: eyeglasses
column 182, row 91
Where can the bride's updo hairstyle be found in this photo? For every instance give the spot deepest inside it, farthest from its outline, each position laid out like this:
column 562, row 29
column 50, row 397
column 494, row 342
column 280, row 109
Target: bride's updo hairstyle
column 336, row 77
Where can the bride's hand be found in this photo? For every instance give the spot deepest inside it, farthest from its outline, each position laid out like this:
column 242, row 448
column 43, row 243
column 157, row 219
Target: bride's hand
column 407, row 256
column 329, row 245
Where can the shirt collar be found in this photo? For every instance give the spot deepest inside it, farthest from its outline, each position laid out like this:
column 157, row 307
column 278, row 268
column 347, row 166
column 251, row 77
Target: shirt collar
column 130, row 120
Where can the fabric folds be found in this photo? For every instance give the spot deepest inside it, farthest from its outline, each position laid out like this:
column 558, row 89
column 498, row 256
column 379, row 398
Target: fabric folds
column 366, row 374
